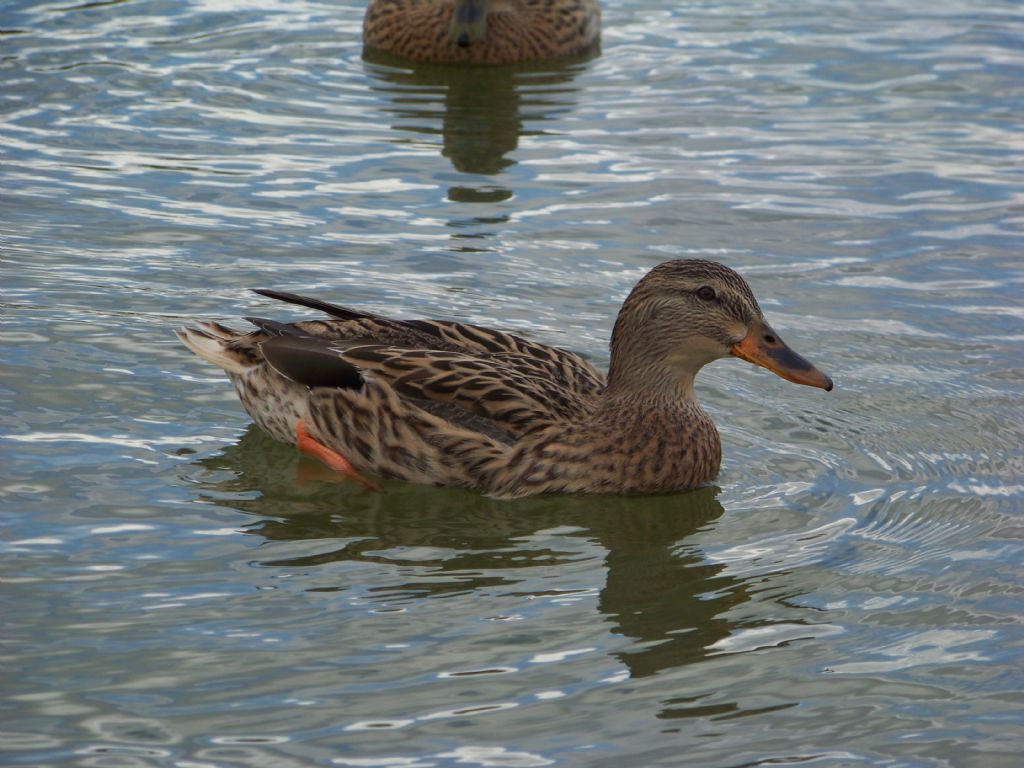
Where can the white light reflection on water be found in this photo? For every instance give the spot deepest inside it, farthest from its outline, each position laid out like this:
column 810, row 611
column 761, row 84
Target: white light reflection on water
column 180, row 589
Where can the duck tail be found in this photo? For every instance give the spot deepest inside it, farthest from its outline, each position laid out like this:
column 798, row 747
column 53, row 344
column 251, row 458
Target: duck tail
column 215, row 343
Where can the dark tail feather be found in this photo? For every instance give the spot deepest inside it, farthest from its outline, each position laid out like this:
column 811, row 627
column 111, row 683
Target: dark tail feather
column 342, row 313
column 274, row 328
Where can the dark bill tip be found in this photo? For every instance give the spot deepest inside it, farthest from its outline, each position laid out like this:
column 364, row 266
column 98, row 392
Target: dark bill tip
column 762, row 346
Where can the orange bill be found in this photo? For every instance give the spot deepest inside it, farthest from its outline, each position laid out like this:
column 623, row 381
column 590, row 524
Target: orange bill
column 763, row 346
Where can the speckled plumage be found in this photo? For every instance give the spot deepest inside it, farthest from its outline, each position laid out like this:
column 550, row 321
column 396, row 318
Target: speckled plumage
column 455, row 404
column 516, row 30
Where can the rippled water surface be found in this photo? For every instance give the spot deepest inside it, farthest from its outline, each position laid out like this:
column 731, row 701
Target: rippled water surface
column 178, row 589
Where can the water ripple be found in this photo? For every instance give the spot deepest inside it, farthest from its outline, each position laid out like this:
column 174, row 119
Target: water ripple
column 854, row 579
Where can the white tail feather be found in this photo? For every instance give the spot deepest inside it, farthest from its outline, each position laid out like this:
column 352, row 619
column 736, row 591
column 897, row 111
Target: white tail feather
column 211, row 348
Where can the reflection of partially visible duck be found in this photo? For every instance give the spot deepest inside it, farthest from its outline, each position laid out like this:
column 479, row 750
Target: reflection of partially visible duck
column 453, row 404
column 482, row 31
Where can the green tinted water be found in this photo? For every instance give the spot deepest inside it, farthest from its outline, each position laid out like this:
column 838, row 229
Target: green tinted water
column 178, row 589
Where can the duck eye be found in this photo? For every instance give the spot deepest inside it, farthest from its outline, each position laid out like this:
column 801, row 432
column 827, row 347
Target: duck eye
column 707, row 293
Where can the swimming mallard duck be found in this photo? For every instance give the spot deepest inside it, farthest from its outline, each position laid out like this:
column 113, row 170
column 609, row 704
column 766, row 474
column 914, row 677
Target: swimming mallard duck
column 482, row 31
column 430, row 401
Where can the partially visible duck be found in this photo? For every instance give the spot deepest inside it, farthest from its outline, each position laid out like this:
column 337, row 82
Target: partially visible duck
column 449, row 403
column 482, row 31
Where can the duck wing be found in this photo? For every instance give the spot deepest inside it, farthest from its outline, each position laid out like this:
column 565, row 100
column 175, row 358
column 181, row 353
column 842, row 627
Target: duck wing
column 509, row 390
column 563, row 368
column 568, row 368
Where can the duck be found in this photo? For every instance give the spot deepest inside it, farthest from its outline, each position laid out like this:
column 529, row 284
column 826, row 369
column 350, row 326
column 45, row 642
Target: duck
column 448, row 403
column 482, row 31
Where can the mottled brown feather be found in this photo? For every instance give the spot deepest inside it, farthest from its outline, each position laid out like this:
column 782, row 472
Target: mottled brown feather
column 516, row 30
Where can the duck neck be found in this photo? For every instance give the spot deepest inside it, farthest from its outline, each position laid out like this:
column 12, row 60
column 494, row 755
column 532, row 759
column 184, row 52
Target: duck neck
column 649, row 368
column 651, row 383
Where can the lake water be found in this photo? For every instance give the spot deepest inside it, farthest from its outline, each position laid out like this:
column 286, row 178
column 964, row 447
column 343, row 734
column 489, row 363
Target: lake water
column 180, row 590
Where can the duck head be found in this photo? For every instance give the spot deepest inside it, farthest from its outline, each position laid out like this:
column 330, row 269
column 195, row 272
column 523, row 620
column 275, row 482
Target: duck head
column 469, row 22
column 685, row 313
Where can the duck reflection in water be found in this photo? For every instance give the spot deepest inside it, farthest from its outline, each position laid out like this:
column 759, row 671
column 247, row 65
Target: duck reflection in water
column 660, row 590
column 482, row 111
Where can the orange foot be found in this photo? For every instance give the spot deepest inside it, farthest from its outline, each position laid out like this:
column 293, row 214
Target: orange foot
column 308, row 445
